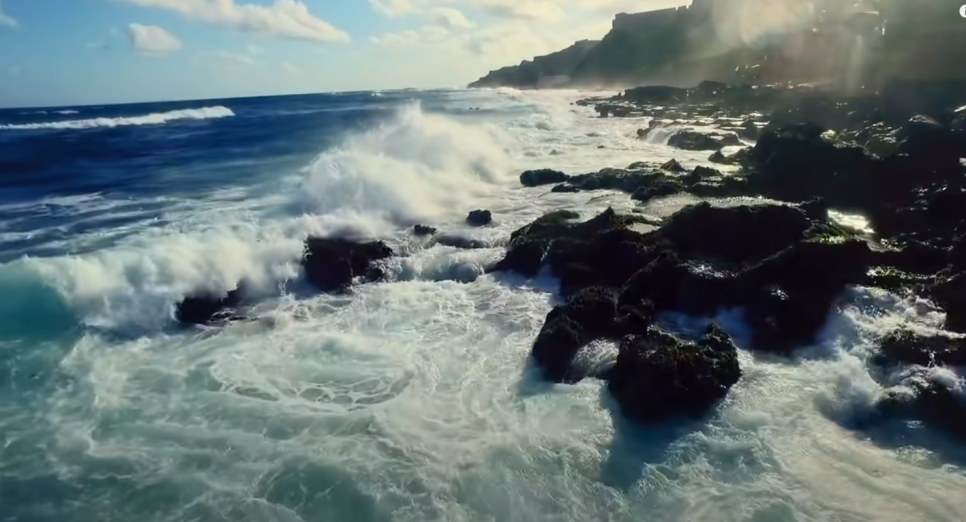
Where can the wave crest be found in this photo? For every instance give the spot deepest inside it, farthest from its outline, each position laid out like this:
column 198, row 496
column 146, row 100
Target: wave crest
column 203, row 113
column 417, row 166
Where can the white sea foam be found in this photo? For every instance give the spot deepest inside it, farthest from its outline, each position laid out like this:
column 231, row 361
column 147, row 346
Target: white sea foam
column 417, row 166
column 203, row 113
column 413, row 400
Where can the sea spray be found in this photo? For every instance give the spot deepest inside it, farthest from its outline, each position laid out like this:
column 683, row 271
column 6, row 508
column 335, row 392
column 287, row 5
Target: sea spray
column 416, row 166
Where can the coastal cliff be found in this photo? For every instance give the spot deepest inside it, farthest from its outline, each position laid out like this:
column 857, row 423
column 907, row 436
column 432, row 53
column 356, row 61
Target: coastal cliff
column 544, row 71
column 843, row 46
column 642, row 46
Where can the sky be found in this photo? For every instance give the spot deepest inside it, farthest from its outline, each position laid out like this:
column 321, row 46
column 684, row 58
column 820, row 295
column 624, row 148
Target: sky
column 73, row 52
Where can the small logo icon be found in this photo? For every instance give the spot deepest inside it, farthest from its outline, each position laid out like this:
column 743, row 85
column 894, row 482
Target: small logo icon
column 962, row 11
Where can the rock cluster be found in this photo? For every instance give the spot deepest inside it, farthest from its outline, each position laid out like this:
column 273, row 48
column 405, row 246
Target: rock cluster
column 785, row 265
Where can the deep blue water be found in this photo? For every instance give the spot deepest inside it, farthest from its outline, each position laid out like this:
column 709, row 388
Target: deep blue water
column 49, row 154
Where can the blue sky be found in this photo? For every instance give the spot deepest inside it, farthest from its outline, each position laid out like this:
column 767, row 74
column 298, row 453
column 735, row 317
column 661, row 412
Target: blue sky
column 65, row 52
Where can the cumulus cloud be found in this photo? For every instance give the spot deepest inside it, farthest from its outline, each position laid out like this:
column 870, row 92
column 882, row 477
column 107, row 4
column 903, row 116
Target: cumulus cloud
column 284, row 18
column 393, row 8
column 6, row 21
column 429, row 34
column 522, row 9
column 449, row 17
column 152, row 39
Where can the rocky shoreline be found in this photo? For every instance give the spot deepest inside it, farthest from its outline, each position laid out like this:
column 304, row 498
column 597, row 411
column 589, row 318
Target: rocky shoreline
column 785, row 264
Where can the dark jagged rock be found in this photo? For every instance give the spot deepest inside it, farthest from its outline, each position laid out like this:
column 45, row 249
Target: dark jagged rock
column 601, row 251
column 479, row 218
column 617, row 179
column 565, row 188
column 692, row 140
column 331, row 264
column 546, row 228
column 719, row 158
column 740, row 234
column 424, row 230
column 658, row 376
column 524, row 258
column 673, row 285
column 935, row 402
column 700, row 173
column 950, row 294
column 934, row 144
column 738, row 158
column 749, row 130
column 204, row 308
column 655, row 95
column 904, row 347
column 536, row 178
column 796, row 163
column 795, row 289
column 608, row 259
column 590, row 314
column 642, row 134
column 673, row 166
column 460, row 242
column 661, row 188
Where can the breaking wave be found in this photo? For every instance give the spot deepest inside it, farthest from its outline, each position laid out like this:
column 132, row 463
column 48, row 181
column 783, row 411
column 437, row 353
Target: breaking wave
column 203, row 113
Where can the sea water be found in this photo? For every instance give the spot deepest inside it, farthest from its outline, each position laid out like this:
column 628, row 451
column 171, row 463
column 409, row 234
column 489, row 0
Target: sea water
column 408, row 400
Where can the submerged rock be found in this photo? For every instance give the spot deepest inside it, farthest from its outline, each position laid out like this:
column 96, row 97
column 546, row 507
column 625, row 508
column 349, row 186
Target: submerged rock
column 460, row 242
column 658, row 376
column 424, row 230
column 331, row 264
column 204, row 308
column 479, row 218
column 931, row 397
column 660, row 188
column 904, row 347
column 589, row 315
column 535, row 178
column 693, row 140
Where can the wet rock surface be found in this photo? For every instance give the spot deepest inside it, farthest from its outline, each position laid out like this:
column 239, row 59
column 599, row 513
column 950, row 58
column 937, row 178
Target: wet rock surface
column 659, row 376
column 204, row 308
column 332, row 264
column 786, row 266
column 479, row 218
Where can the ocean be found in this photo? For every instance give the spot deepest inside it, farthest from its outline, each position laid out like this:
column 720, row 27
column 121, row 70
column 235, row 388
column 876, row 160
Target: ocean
column 407, row 400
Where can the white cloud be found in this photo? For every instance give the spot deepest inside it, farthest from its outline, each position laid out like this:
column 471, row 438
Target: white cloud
column 253, row 49
column 284, row 18
column 6, row 21
column 449, row 17
column 152, row 39
column 424, row 35
column 393, row 8
column 291, row 68
column 522, row 9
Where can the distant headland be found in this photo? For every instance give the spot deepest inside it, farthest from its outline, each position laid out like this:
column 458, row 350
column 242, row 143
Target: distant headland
column 848, row 45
